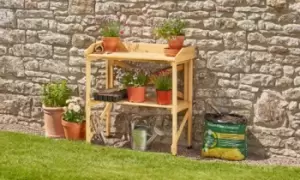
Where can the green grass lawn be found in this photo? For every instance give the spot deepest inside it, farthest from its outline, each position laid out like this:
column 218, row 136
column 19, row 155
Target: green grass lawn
column 32, row 158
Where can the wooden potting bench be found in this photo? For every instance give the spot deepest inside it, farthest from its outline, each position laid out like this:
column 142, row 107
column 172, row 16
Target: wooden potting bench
column 142, row 52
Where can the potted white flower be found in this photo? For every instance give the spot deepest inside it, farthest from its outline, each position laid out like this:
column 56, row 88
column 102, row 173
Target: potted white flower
column 73, row 118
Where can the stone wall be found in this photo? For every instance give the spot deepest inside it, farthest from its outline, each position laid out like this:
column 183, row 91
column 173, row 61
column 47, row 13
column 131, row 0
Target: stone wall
column 248, row 57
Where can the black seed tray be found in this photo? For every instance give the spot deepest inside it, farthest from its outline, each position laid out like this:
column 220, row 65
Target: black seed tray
column 110, row 95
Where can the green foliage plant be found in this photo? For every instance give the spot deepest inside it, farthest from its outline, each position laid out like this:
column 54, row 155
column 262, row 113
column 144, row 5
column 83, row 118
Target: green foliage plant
column 135, row 79
column 55, row 94
column 170, row 28
column 111, row 29
column 163, row 83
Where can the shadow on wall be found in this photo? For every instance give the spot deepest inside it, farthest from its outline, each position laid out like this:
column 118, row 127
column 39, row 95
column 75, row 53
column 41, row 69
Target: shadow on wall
column 256, row 151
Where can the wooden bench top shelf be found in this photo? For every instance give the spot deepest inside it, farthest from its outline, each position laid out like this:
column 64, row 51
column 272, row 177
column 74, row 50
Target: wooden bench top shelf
column 143, row 52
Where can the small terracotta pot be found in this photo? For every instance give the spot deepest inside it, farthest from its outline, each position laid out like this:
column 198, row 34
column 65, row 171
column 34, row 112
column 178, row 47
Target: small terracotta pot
column 164, row 97
column 52, row 120
column 136, row 94
column 71, row 129
column 110, row 44
column 171, row 52
column 82, row 130
column 176, row 42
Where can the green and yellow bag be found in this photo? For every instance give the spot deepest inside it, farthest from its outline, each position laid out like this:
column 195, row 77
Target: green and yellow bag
column 225, row 137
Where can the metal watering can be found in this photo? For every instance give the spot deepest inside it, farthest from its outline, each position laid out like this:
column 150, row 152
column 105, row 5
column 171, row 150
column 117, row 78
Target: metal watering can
column 139, row 137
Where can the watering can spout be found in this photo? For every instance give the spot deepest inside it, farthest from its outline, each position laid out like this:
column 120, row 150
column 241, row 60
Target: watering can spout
column 157, row 132
column 139, row 137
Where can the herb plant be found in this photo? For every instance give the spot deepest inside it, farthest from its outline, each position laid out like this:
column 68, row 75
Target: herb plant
column 74, row 111
column 170, row 28
column 135, row 79
column 163, row 83
column 111, row 29
column 56, row 94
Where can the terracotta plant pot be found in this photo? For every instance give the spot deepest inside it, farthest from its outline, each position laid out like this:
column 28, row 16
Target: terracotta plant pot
column 176, row 42
column 171, row 52
column 71, row 129
column 82, row 130
column 164, row 97
column 110, row 44
column 136, row 94
column 52, row 120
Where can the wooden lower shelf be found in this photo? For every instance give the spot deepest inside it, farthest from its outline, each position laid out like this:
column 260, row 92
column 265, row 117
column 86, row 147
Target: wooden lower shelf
column 182, row 105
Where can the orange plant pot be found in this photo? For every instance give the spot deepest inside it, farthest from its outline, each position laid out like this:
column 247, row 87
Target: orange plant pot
column 171, row 52
column 52, row 120
column 110, row 44
column 164, row 97
column 176, row 42
column 82, row 130
column 71, row 129
column 136, row 94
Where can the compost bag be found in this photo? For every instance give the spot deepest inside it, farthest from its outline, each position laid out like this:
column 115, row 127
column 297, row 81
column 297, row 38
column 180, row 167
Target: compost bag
column 225, row 137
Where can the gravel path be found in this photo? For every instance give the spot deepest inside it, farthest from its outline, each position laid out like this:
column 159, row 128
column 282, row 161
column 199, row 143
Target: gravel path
column 182, row 151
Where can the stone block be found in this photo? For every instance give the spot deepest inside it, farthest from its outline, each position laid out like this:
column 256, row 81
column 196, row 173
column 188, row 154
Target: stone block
column 220, row 23
column 12, row 36
column 31, row 36
column 247, row 25
column 235, row 40
column 230, row 61
column 228, row 2
column 7, row 18
column 54, row 66
column 31, row 64
column 12, row 3
column 82, row 40
column 209, row 44
column 12, row 65
column 59, row 5
column 76, row 61
column 283, row 40
column 34, row 24
column 258, row 79
column 37, row 4
column 270, row 110
column 256, row 37
column 54, row 38
column 3, row 50
column 170, row 6
column 292, row 94
column 36, row 49
column 292, row 28
column 81, row 7
column 34, row 13
column 69, row 28
column 108, row 7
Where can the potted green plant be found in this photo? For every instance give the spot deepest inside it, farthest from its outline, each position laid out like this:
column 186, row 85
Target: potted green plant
column 73, row 118
column 163, row 86
column 172, row 31
column 111, row 36
column 54, row 96
column 136, row 85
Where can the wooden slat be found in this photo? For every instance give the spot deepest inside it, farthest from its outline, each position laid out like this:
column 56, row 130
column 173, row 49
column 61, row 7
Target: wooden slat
column 190, row 100
column 88, row 101
column 174, row 109
column 185, row 118
column 145, row 47
column 132, row 56
column 182, row 105
column 123, row 65
column 185, row 54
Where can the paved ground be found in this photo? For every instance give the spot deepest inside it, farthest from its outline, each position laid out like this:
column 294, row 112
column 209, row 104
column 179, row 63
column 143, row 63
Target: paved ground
column 194, row 154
